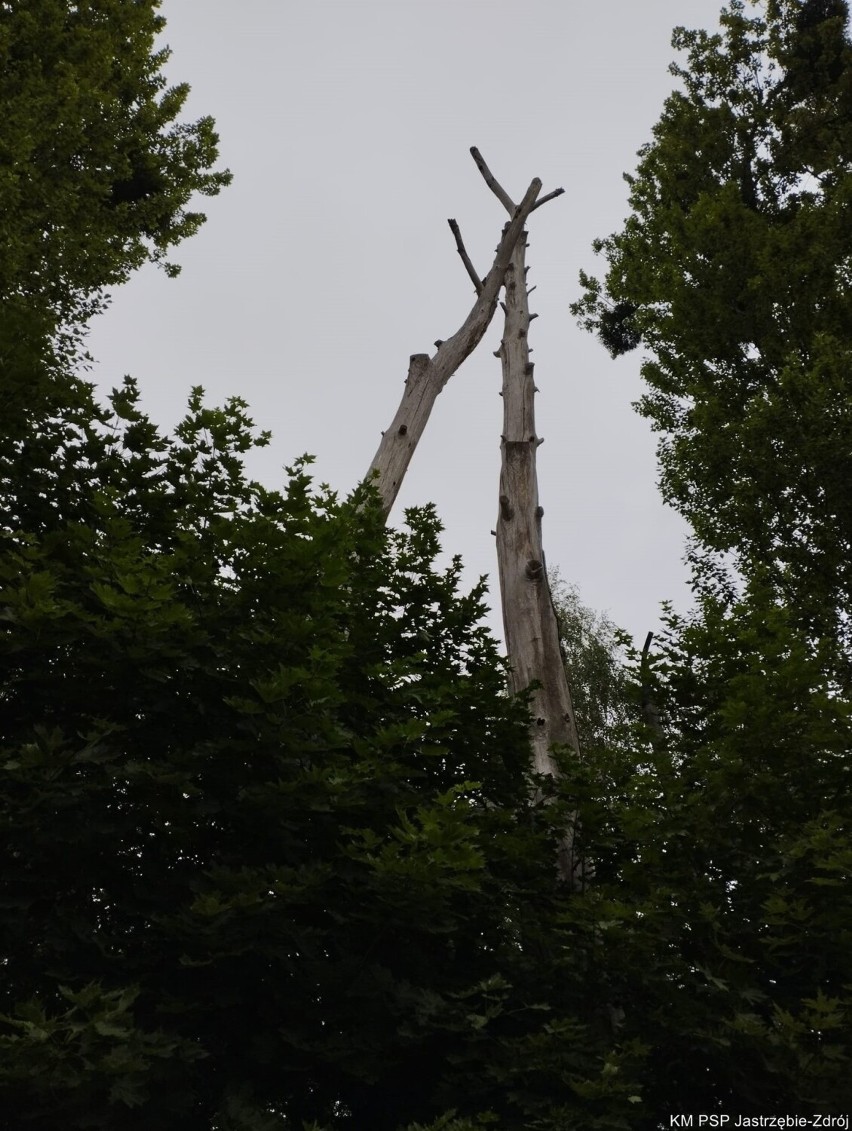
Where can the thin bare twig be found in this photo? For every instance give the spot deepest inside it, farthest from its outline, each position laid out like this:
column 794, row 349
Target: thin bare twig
column 465, row 258
column 546, row 197
column 498, row 189
column 492, row 181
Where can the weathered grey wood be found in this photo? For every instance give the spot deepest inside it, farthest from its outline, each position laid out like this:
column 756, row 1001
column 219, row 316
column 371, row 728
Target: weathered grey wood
column 529, row 618
column 428, row 376
column 532, row 637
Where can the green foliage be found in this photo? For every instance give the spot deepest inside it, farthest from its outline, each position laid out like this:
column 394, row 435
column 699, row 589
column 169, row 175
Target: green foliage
column 744, row 861
column 722, row 847
column 93, row 1054
column 615, row 330
column 733, row 268
column 97, row 170
column 271, row 855
column 595, row 654
column 266, row 807
column 722, row 860
column 271, row 859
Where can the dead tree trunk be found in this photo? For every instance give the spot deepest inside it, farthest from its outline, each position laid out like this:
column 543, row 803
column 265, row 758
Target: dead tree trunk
column 529, row 618
column 428, row 375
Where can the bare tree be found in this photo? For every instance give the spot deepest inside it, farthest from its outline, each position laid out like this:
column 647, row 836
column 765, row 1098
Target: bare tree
column 427, row 375
column 529, row 618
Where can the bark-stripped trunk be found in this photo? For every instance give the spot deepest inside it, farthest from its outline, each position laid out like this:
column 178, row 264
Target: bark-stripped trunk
column 427, row 376
column 529, row 620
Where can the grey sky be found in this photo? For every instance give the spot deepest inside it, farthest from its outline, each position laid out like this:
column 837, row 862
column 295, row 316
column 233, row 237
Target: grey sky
column 347, row 125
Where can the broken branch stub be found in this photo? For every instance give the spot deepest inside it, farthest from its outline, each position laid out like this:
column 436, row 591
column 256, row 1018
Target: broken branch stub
column 428, row 376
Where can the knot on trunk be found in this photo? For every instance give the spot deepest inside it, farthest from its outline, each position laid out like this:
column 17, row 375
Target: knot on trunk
column 534, row 570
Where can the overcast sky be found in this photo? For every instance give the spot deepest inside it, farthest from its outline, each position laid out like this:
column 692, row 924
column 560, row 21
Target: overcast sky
column 347, row 125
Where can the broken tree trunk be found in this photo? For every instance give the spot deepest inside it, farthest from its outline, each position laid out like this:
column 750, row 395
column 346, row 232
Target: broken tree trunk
column 532, row 637
column 529, row 618
column 427, row 376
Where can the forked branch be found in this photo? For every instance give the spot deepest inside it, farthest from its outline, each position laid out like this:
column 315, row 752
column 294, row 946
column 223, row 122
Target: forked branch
column 427, row 376
column 498, row 189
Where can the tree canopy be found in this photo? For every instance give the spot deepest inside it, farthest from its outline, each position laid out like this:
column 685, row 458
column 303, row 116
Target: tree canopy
column 733, row 270
column 275, row 856
column 98, row 168
column 272, row 854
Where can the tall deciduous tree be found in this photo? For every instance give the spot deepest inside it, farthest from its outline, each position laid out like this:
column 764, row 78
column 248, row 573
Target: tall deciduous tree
column 98, row 169
column 731, row 831
column 733, row 270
